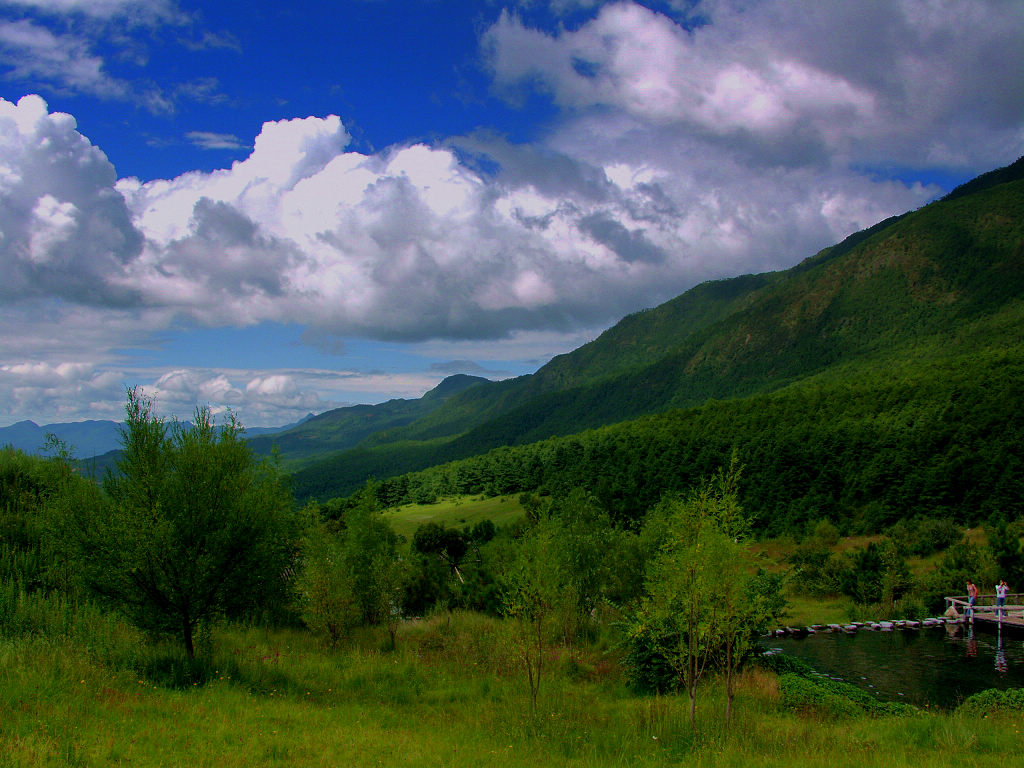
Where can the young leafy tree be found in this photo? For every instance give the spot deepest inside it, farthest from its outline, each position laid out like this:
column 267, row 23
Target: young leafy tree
column 595, row 562
column 194, row 527
column 323, row 587
column 532, row 588
column 370, row 553
column 441, row 542
column 964, row 560
column 683, row 603
column 751, row 600
column 35, row 496
column 558, row 572
column 351, row 572
column 705, row 601
column 1004, row 539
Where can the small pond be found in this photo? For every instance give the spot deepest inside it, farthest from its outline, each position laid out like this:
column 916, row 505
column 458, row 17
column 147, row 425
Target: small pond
column 938, row 667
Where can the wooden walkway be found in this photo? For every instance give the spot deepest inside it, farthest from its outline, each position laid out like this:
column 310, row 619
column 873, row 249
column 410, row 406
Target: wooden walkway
column 986, row 613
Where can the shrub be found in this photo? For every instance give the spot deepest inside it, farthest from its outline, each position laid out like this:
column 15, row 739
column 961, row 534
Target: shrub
column 994, row 701
column 806, row 694
column 781, row 664
column 923, row 536
column 646, row 659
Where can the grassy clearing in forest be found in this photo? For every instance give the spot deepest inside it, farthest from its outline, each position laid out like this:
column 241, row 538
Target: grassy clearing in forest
column 804, row 610
column 455, row 512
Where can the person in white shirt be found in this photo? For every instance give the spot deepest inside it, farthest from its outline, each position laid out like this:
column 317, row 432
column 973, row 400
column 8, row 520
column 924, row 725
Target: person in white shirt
column 1001, row 590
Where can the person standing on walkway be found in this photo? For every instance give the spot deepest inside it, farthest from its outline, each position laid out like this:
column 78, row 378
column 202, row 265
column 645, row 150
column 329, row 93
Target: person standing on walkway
column 972, row 598
column 1001, row 590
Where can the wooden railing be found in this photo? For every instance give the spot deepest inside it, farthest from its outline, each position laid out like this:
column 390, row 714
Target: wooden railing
column 986, row 604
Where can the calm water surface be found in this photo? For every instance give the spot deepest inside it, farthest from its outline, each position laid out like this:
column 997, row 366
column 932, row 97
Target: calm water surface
column 937, row 667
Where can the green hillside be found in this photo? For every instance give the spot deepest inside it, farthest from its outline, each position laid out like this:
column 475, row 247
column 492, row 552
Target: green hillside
column 935, row 435
column 912, row 282
column 342, row 428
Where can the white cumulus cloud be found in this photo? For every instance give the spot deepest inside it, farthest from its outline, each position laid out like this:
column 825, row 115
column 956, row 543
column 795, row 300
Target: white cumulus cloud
column 413, row 243
column 65, row 230
column 100, row 8
column 32, row 51
column 58, row 390
column 210, row 140
column 889, row 81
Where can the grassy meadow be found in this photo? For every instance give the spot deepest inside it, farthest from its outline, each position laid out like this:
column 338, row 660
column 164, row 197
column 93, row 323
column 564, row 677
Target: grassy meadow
column 455, row 512
column 450, row 694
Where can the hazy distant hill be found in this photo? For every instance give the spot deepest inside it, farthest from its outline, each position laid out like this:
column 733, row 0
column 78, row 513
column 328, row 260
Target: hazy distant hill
column 87, row 439
column 343, row 428
column 922, row 280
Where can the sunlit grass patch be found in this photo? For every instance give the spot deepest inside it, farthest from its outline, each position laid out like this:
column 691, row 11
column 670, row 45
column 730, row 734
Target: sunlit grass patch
column 803, row 610
column 455, row 512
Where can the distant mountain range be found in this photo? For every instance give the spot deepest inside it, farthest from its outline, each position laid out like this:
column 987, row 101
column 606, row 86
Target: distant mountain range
column 88, row 438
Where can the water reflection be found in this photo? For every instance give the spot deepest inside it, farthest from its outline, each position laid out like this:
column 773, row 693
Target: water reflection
column 935, row 667
column 1001, row 663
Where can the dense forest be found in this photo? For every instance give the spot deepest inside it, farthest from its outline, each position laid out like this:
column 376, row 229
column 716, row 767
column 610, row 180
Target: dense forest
column 938, row 438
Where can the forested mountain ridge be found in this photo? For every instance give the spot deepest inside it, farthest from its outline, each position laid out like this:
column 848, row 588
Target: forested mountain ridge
column 929, row 434
column 910, row 281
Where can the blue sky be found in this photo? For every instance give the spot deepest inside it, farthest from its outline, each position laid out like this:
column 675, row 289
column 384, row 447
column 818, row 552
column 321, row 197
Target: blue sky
column 283, row 210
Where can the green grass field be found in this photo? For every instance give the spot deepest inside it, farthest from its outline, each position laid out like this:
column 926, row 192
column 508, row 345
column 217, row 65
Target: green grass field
column 451, row 695
column 455, row 513
column 78, row 687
